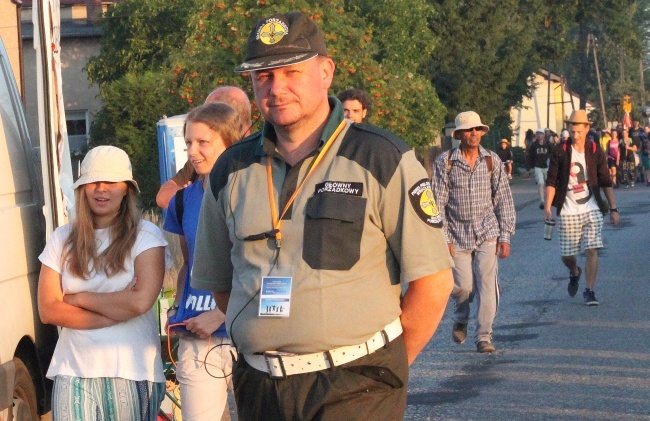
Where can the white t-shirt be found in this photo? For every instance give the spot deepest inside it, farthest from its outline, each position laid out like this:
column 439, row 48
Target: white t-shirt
column 131, row 349
column 579, row 197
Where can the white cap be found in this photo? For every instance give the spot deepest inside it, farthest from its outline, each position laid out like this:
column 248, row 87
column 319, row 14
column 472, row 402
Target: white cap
column 106, row 163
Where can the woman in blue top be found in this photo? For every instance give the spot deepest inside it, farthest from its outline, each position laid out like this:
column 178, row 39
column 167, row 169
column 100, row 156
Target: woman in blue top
column 209, row 130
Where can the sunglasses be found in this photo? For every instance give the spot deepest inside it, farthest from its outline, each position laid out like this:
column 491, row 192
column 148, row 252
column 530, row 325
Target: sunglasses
column 475, row 129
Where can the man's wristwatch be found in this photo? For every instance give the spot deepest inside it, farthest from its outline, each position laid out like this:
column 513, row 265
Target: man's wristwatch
column 174, row 307
column 613, row 210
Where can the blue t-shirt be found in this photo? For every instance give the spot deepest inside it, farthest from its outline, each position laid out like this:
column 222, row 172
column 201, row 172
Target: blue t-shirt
column 193, row 301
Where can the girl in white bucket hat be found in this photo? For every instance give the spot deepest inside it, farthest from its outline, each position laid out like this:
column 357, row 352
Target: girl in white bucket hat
column 100, row 277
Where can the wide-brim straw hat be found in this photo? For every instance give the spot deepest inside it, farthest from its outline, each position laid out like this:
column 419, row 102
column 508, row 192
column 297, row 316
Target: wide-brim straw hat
column 578, row 117
column 505, row 141
column 106, row 163
column 468, row 120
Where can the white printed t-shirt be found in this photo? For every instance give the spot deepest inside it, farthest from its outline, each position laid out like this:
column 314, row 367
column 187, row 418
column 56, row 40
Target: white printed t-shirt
column 579, row 198
column 129, row 350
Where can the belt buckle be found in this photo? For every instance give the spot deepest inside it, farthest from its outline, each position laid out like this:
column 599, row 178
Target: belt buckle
column 269, row 355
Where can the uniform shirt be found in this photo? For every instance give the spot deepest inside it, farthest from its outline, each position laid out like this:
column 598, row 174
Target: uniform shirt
column 193, row 301
column 364, row 221
column 470, row 213
column 130, row 349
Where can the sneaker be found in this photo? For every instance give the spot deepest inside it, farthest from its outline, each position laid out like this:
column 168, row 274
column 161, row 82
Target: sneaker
column 485, row 346
column 573, row 283
column 510, row 178
column 541, row 205
column 590, row 297
column 627, row 186
column 459, row 332
column 631, row 184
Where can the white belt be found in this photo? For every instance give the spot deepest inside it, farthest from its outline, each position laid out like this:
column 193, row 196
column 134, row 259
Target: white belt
column 279, row 365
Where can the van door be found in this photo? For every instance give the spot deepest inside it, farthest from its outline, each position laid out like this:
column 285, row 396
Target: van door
column 26, row 345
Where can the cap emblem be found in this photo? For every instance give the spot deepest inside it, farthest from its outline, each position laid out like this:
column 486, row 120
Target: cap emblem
column 272, row 31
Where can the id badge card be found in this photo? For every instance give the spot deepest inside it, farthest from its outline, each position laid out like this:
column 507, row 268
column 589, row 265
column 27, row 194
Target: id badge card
column 275, row 296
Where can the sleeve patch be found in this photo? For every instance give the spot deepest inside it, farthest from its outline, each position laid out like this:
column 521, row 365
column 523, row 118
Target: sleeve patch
column 424, row 203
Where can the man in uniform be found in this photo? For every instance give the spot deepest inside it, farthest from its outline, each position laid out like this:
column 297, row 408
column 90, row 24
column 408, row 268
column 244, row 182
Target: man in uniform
column 238, row 100
column 356, row 104
column 479, row 219
column 307, row 230
column 577, row 172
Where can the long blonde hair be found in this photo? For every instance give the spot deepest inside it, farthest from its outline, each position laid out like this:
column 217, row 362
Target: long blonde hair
column 81, row 248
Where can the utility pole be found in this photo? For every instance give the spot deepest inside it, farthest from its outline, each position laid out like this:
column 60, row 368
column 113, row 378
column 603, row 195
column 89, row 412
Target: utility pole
column 600, row 88
column 642, row 82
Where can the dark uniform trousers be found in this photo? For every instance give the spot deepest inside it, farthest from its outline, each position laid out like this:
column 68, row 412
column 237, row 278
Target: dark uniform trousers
column 369, row 388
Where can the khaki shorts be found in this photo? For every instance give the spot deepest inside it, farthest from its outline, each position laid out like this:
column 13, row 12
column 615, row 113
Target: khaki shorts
column 540, row 175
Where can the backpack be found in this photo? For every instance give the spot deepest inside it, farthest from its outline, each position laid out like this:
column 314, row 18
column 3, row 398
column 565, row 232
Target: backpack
column 488, row 162
column 180, row 205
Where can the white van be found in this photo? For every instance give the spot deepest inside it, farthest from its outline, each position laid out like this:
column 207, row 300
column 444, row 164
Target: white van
column 26, row 345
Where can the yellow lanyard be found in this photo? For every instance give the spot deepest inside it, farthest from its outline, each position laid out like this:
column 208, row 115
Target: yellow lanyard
column 277, row 222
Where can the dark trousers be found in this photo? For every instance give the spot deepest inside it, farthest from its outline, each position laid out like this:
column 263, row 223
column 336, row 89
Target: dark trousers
column 370, row 388
column 629, row 172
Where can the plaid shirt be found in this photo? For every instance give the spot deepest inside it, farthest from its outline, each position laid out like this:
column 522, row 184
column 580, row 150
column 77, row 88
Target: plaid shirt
column 469, row 213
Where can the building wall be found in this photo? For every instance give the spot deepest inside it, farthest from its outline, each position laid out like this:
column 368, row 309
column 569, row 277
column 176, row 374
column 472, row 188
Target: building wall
column 534, row 112
column 9, row 35
column 78, row 94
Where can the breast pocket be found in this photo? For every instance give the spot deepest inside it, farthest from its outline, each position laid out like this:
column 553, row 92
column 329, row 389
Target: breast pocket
column 333, row 229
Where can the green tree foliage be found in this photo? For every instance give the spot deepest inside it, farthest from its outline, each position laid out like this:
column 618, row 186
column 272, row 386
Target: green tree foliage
column 404, row 102
column 620, row 43
column 421, row 61
column 488, row 50
column 189, row 48
column 138, row 36
column 132, row 106
column 482, row 62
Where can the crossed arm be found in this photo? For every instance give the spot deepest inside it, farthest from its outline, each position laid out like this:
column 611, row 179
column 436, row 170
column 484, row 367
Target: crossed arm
column 93, row 310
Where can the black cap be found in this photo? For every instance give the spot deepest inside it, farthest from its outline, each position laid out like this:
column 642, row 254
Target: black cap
column 281, row 40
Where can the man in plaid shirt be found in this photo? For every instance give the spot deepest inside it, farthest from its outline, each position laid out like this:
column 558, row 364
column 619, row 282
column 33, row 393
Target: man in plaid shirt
column 478, row 214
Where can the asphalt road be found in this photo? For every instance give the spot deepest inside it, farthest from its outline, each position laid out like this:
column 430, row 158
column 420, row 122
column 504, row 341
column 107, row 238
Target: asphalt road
column 556, row 358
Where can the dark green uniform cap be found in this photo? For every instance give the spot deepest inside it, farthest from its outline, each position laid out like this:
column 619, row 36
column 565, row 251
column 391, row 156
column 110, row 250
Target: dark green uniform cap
column 282, row 40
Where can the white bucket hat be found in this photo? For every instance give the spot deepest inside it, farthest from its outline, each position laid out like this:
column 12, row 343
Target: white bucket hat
column 468, row 120
column 106, row 163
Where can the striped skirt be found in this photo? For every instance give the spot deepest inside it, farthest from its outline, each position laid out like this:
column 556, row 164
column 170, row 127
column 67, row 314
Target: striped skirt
column 105, row 398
